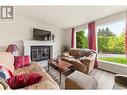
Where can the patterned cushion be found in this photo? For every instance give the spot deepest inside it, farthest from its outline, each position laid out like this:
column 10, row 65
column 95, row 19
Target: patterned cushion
column 83, row 53
column 86, row 52
column 23, row 80
column 5, row 73
column 21, row 61
column 38, row 68
column 89, row 53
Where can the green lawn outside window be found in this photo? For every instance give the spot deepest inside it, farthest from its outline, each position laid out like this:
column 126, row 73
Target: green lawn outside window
column 119, row 60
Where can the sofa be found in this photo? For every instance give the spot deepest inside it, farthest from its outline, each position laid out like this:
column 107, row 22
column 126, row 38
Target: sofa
column 81, row 59
column 47, row 82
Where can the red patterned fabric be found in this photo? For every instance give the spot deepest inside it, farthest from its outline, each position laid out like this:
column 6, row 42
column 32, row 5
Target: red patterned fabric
column 21, row 61
column 5, row 73
column 72, row 38
column 23, row 80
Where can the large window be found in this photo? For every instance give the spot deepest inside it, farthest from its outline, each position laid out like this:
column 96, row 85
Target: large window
column 111, row 42
column 82, row 39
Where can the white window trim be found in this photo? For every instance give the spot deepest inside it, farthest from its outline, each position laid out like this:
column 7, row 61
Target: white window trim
column 107, row 65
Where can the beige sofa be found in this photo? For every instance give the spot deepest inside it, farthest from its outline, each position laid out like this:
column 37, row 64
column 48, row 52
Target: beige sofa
column 82, row 59
column 7, row 60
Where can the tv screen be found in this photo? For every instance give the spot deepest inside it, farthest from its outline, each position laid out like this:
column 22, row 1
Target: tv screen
column 42, row 35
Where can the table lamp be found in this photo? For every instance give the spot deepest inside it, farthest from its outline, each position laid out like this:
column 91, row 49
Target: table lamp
column 12, row 48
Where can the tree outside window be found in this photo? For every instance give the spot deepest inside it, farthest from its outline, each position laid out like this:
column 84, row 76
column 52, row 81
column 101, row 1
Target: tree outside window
column 111, row 43
column 82, row 39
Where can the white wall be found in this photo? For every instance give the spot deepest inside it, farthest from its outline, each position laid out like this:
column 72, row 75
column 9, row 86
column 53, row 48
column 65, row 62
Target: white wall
column 67, row 38
column 21, row 29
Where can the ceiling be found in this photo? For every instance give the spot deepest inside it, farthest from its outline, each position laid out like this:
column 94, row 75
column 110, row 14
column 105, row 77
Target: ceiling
column 67, row 16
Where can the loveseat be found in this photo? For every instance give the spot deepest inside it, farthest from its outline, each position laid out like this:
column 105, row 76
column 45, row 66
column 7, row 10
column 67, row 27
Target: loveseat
column 81, row 59
column 7, row 60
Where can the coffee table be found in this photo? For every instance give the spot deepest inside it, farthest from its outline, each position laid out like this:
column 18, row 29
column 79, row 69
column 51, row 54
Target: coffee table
column 61, row 66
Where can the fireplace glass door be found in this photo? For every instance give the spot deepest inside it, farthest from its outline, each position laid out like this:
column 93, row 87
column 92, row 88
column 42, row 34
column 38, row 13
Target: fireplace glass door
column 40, row 53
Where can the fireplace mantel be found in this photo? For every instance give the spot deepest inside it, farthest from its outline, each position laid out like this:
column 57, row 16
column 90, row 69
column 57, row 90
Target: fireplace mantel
column 38, row 43
column 28, row 43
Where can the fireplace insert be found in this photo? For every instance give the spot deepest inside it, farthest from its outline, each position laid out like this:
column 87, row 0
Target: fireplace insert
column 40, row 53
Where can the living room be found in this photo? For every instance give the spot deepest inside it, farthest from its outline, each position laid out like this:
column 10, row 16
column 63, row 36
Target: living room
column 63, row 51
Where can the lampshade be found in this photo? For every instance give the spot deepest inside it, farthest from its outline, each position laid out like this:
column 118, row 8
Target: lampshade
column 12, row 48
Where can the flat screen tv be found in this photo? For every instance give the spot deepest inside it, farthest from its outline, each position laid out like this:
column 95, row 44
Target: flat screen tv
column 42, row 35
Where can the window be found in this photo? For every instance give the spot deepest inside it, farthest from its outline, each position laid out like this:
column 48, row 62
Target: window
column 82, row 39
column 111, row 42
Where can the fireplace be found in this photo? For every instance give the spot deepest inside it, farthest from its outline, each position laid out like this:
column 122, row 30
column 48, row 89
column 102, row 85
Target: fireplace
column 33, row 47
column 40, row 53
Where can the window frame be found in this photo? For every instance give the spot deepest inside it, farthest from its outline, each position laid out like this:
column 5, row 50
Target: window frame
column 103, row 24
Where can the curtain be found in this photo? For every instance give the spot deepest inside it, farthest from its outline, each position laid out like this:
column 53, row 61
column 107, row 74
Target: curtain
column 72, row 38
column 92, row 39
column 91, row 36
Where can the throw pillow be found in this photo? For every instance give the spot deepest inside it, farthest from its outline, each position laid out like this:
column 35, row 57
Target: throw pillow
column 5, row 73
column 23, row 80
column 21, row 61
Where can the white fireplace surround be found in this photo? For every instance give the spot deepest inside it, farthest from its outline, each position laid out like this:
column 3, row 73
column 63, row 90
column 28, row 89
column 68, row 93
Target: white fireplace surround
column 28, row 43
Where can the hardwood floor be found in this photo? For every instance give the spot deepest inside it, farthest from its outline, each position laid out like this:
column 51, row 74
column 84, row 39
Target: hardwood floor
column 105, row 79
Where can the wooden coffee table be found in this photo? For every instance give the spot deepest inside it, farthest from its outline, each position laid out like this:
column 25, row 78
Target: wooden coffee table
column 61, row 66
